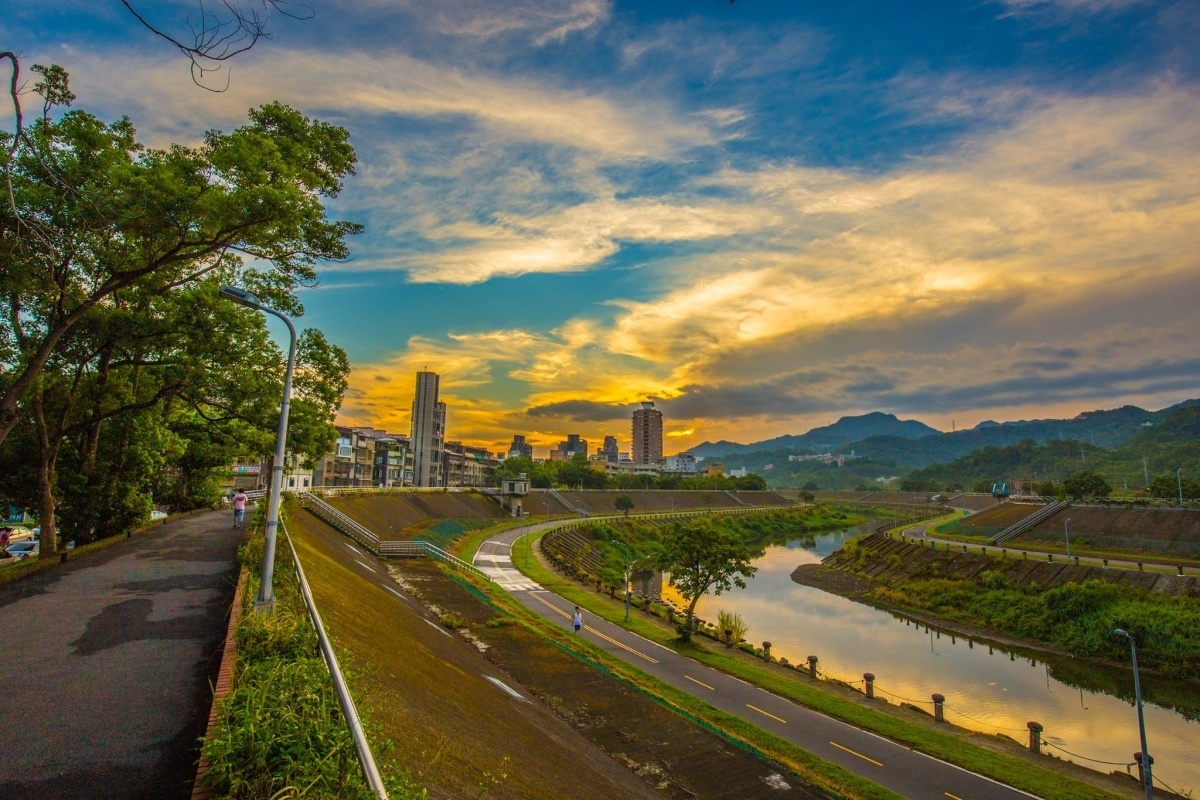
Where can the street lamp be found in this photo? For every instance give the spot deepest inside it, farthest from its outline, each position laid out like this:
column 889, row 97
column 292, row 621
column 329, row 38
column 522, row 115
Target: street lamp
column 266, row 597
column 628, row 557
column 1147, row 782
column 1179, row 483
column 1067, row 533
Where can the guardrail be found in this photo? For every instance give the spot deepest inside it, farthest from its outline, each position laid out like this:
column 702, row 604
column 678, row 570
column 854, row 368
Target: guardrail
column 385, row 549
column 345, row 700
column 1036, row 517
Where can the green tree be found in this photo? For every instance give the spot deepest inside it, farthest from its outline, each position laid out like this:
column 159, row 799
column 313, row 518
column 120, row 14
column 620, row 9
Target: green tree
column 91, row 213
column 1086, row 483
column 1167, row 487
column 702, row 556
column 624, row 503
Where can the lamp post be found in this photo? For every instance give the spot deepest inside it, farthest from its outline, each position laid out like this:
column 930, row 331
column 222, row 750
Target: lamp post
column 266, row 596
column 628, row 557
column 1147, row 782
column 1067, row 534
column 1179, row 483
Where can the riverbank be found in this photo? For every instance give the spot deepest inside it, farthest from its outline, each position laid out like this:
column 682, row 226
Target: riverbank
column 1012, row 603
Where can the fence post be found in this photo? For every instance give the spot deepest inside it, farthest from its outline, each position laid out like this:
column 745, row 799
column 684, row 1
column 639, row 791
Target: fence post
column 812, row 667
column 870, row 683
column 767, row 652
column 1035, row 736
column 939, row 703
column 728, row 638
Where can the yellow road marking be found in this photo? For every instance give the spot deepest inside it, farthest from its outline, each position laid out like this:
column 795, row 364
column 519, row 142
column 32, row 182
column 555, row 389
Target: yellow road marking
column 693, row 680
column 952, row 796
column 609, row 639
column 766, row 713
column 860, row 755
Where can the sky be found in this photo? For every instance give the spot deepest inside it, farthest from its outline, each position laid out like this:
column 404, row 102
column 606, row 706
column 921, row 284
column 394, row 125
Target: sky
column 761, row 215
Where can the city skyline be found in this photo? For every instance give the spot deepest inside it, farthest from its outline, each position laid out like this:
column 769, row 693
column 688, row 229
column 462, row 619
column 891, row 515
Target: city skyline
column 761, row 218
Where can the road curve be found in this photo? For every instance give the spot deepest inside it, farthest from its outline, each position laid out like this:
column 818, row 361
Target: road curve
column 894, row 766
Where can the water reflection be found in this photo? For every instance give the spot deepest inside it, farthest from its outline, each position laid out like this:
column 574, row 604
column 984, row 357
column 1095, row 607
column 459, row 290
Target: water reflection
column 1086, row 711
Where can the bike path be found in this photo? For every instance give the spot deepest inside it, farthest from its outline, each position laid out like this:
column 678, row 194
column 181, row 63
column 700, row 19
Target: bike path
column 894, row 766
column 108, row 662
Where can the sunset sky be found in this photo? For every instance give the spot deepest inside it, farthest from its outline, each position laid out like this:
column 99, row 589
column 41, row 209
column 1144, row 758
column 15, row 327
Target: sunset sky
column 764, row 215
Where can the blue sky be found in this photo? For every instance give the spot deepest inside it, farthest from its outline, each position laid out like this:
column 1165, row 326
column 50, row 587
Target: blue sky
column 765, row 215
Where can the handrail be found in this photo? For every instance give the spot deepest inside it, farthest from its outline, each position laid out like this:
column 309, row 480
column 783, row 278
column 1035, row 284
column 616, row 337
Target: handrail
column 365, row 757
column 420, row 547
column 1017, row 528
column 342, row 522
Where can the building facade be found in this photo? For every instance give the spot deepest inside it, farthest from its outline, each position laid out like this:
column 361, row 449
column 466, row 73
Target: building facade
column 573, row 446
column 428, row 432
column 647, row 434
column 609, row 450
column 519, row 447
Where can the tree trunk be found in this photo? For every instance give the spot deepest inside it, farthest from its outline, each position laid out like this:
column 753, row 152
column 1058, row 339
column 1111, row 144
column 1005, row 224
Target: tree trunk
column 47, row 456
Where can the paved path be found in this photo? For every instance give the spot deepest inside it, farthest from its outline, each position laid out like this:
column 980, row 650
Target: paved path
column 107, row 663
column 911, row 774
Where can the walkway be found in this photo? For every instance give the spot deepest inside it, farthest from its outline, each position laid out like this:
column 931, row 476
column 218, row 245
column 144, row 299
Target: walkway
column 907, row 772
column 107, row 664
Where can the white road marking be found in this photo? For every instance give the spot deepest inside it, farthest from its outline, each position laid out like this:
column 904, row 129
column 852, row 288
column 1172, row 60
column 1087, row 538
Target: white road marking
column 365, row 564
column 438, row 628
column 505, row 687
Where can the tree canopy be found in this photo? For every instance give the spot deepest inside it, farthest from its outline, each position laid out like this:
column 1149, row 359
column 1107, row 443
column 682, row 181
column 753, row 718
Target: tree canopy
column 702, row 555
column 126, row 376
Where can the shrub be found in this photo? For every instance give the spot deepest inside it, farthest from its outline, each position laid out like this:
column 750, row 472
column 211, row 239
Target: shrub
column 729, row 621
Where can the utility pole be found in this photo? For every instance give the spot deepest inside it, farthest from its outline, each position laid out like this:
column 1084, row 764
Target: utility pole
column 1145, row 471
column 1067, row 534
column 1179, row 482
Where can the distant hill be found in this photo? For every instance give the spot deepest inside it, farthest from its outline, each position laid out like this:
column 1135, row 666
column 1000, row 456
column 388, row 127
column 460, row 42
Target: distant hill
column 892, row 449
column 826, row 437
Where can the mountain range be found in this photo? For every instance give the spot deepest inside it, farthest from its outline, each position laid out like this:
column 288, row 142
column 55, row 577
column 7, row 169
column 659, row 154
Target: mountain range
column 910, row 443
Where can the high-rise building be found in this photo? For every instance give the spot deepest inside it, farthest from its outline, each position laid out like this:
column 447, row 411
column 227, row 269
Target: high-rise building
column 574, row 445
column 609, row 450
column 647, row 434
column 428, row 431
column 519, row 447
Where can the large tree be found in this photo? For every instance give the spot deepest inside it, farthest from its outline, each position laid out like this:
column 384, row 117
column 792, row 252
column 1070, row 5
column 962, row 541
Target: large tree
column 92, row 212
column 700, row 556
column 1086, row 483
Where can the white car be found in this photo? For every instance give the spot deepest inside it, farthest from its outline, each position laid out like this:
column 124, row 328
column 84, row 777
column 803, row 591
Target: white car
column 23, row 549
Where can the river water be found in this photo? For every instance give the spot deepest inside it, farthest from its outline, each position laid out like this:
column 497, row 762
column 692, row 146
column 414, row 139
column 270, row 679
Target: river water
column 1086, row 710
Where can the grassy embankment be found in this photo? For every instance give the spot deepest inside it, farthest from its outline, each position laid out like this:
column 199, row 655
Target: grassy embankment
column 280, row 732
column 951, row 747
column 1074, row 618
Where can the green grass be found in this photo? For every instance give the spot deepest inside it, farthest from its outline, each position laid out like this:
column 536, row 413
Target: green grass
column 1010, row 770
column 280, row 732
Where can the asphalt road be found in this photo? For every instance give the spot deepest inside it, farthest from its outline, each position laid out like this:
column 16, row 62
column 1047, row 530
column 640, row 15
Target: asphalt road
column 108, row 662
column 907, row 772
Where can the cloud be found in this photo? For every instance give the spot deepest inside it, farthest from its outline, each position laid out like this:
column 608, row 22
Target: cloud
column 581, row 411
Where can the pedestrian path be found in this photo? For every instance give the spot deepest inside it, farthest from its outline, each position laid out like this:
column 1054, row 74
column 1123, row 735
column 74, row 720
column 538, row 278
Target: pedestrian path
column 108, row 662
column 894, row 766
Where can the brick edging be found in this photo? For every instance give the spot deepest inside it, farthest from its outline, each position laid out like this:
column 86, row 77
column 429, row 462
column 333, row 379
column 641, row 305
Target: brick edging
column 223, row 687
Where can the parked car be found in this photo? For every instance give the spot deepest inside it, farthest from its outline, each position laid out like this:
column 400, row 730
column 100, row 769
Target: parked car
column 156, row 514
column 23, row 549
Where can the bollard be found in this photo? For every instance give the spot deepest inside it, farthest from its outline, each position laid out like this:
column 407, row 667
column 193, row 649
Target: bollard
column 1035, row 736
column 1181, row 570
column 812, row 667
column 938, row 708
column 1141, row 773
column 1024, row 555
column 728, row 638
column 1077, row 561
column 767, row 652
column 983, row 551
column 870, row 683
column 1106, row 563
column 1050, row 557
column 1004, row 552
column 670, row 615
column 1140, row 567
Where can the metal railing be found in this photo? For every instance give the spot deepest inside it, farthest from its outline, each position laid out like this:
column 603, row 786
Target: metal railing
column 1033, row 519
column 385, row 549
column 345, row 700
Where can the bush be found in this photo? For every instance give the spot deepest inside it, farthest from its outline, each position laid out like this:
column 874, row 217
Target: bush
column 729, row 621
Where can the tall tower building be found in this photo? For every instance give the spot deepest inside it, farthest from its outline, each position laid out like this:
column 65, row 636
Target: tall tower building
column 609, row 450
column 647, row 434
column 428, row 431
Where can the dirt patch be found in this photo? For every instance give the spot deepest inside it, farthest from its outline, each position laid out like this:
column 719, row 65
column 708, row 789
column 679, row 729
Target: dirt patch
column 677, row 758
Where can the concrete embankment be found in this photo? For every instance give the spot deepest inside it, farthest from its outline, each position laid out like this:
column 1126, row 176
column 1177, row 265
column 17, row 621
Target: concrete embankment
column 882, row 559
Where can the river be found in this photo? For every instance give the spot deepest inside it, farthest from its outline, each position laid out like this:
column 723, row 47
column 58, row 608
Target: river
column 988, row 689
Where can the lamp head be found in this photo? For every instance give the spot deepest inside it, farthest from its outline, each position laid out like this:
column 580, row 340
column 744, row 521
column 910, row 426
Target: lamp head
column 241, row 297
column 1120, row 632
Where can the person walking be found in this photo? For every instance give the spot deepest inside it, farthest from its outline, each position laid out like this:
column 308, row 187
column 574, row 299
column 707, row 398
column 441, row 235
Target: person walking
column 577, row 620
column 239, row 508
